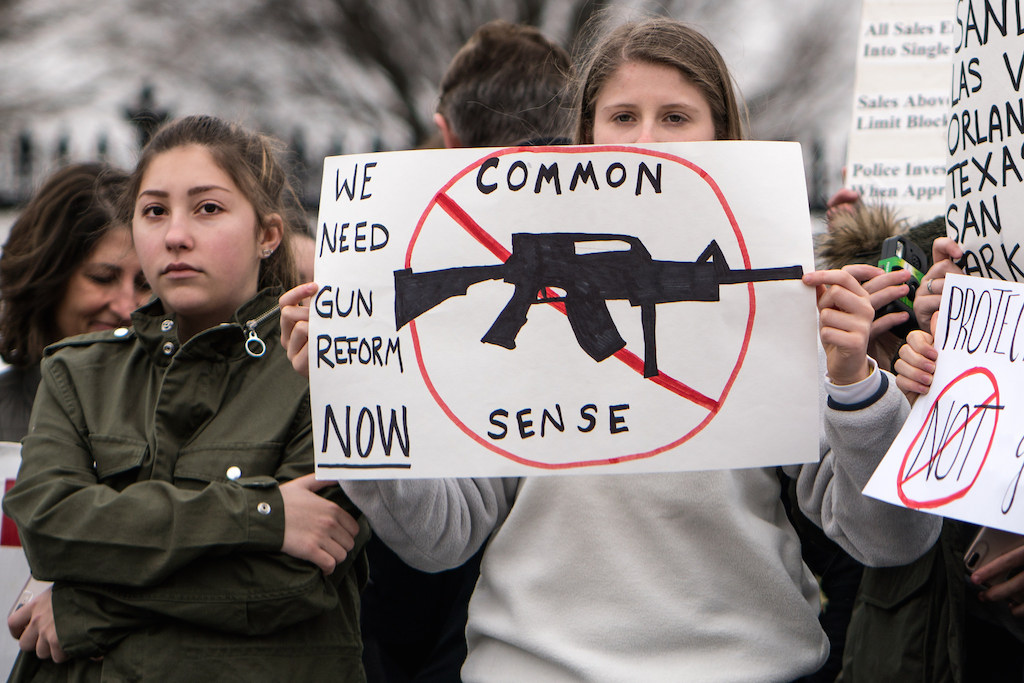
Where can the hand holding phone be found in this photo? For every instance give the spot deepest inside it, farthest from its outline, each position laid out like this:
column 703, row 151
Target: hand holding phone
column 30, row 590
column 989, row 544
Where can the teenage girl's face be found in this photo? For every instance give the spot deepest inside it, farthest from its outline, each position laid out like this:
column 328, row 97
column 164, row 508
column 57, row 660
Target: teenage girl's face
column 197, row 239
column 104, row 289
column 644, row 102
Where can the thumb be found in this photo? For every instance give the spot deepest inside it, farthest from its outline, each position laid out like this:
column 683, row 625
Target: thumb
column 934, row 323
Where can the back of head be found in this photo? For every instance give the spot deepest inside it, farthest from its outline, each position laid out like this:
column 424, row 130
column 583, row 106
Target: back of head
column 656, row 41
column 253, row 161
column 53, row 235
column 506, row 85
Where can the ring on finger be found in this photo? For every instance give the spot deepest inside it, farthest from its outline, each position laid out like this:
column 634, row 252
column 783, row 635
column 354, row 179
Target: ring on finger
column 928, row 286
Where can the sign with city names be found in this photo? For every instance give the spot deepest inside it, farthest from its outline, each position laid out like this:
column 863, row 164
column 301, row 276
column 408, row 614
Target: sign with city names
column 985, row 172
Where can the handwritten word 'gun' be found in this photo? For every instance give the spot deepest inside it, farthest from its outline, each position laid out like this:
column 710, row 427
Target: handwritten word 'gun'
column 543, row 262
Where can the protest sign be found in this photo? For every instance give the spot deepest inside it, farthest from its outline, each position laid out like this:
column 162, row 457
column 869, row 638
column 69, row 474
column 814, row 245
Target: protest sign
column 556, row 310
column 984, row 139
column 961, row 452
column 901, row 104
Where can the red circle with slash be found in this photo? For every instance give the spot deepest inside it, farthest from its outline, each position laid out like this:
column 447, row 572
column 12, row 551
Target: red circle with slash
column 984, row 387
column 713, row 405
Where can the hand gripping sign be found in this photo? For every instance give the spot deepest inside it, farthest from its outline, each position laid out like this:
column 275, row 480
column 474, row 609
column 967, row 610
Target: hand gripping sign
column 563, row 310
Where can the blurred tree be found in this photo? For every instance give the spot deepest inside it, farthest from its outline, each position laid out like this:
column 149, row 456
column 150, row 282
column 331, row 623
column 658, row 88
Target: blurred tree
column 352, row 74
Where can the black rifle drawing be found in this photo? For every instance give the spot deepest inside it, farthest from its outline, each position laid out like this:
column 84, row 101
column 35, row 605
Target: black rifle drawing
column 543, row 262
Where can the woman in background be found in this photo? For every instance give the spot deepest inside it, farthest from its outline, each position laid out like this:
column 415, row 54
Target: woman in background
column 68, row 268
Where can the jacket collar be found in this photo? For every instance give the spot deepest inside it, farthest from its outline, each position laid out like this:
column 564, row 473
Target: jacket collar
column 156, row 329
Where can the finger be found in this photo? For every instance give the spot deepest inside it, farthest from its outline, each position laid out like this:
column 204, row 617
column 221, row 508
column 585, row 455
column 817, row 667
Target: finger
column 925, row 306
column 934, row 323
column 1010, row 590
column 831, row 277
column 1000, row 565
column 293, row 315
column 909, row 387
column 835, row 318
column 298, row 339
column 885, row 280
column 57, row 652
column 42, row 648
column 883, row 297
column 324, row 560
column 863, row 272
column 295, row 295
column 888, row 321
column 848, row 344
column 854, row 302
column 945, row 248
column 290, row 317
column 348, row 523
column 922, row 344
column 911, row 379
column 916, row 361
column 18, row 620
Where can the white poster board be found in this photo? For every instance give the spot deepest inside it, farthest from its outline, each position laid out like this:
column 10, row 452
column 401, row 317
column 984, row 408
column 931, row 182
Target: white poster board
column 13, row 565
column 961, row 452
column 901, row 106
column 986, row 129
column 432, row 355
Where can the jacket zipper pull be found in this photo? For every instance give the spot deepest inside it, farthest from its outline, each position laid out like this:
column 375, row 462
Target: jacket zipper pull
column 254, row 346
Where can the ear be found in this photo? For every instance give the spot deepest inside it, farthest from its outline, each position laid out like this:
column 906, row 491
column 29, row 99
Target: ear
column 272, row 234
column 451, row 140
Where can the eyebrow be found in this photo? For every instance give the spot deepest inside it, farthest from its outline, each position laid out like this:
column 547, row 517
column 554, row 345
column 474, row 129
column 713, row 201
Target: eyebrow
column 671, row 105
column 191, row 192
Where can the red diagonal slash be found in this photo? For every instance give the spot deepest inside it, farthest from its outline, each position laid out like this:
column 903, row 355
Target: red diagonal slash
column 459, row 215
column 977, row 409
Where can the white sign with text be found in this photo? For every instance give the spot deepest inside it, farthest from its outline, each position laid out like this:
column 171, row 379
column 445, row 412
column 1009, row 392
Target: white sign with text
column 901, row 106
column 559, row 310
column 961, row 452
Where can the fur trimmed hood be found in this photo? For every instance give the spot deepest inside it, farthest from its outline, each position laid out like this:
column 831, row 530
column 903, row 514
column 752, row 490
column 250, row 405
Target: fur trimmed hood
column 856, row 235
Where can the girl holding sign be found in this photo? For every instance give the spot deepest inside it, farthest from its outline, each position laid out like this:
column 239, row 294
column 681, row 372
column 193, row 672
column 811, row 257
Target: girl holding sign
column 161, row 484
column 683, row 576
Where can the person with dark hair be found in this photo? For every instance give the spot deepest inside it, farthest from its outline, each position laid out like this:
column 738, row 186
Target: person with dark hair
column 162, row 483
column 505, row 86
column 68, row 268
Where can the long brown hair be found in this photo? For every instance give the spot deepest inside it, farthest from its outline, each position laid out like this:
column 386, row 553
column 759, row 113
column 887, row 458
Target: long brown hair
column 53, row 235
column 657, row 41
column 253, row 162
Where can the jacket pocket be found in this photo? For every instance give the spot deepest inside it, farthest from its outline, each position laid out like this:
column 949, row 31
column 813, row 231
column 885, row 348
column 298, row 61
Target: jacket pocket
column 252, row 464
column 896, row 630
column 118, row 459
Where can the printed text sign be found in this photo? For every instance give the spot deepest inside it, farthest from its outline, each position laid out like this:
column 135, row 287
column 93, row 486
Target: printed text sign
column 558, row 310
column 901, row 106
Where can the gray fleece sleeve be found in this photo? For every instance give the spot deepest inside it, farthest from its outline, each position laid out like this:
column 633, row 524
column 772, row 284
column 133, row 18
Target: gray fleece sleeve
column 433, row 524
column 854, row 439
